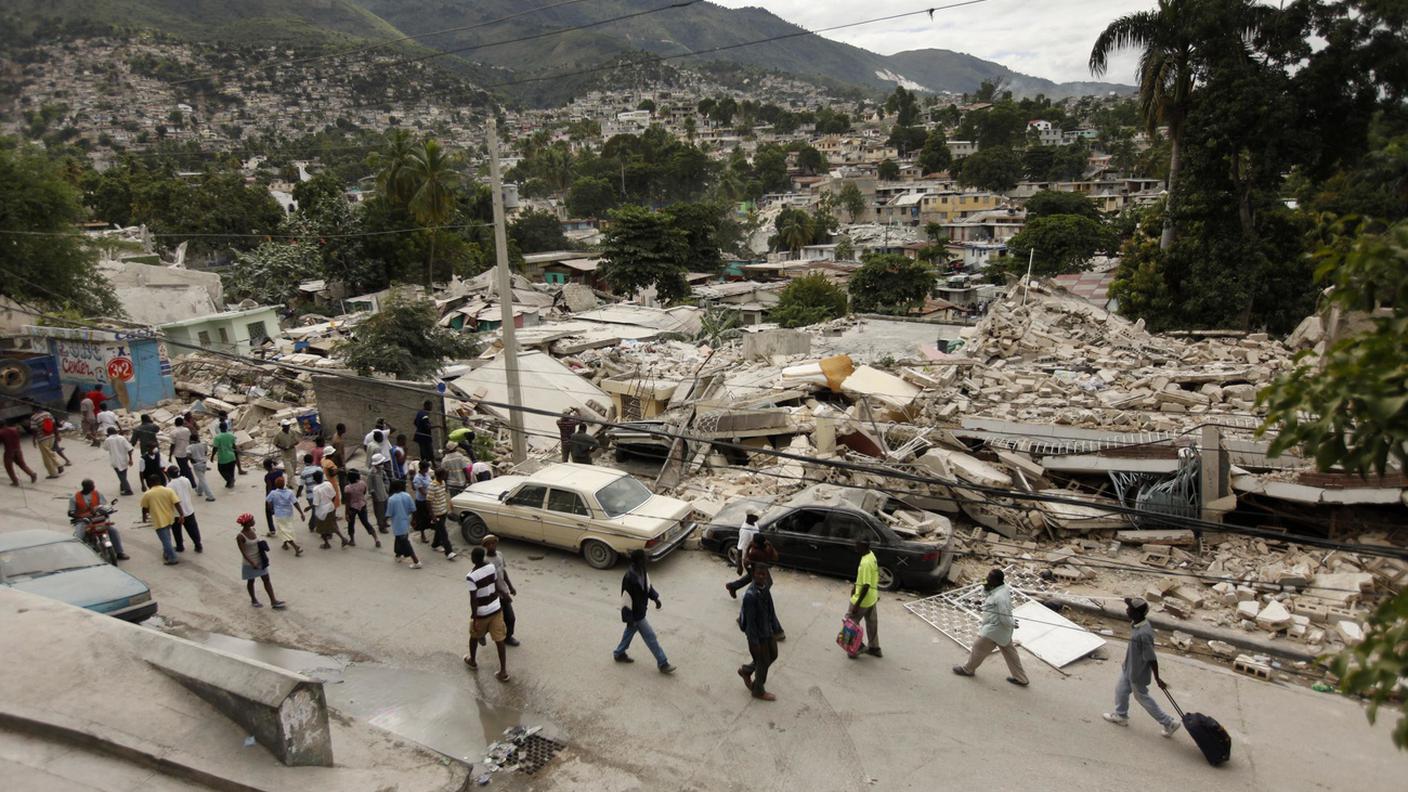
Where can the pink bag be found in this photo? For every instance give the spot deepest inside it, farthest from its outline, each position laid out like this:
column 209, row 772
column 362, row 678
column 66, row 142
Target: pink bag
column 851, row 637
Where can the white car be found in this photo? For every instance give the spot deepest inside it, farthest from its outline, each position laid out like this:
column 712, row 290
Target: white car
column 596, row 511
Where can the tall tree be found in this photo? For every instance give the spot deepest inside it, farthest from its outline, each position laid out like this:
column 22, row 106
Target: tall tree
column 852, row 200
column 934, row 156
column 891, row 283
column 643, row 248
column 1166, row 74
column 435, row 175
column 393, row 166
column 794, row 229
column 404, row 340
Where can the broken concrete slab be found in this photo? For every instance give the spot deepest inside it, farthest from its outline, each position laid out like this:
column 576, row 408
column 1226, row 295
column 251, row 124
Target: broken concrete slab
column 1175, row 537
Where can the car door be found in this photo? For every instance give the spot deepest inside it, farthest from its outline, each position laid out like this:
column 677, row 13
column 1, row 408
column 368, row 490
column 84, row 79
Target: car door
column 522, row 515
column 795, row 535
column 837, row 545
column 565, row 518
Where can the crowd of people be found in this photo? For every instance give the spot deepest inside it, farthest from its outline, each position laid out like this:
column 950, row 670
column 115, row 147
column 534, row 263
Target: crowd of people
column 402, row 495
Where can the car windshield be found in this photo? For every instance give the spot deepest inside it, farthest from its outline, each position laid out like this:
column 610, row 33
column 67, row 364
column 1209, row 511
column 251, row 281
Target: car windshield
column 621, row 496
column 32, row 562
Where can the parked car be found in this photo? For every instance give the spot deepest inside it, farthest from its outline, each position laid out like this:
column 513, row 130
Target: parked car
column 61, row 567
column 596, row 511
column 816, row 530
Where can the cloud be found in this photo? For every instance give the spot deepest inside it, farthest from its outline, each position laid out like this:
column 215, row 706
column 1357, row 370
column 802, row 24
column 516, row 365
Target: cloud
column 1043, row 38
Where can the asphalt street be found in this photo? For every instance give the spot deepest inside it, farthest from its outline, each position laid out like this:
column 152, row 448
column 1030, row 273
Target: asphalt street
column 898, row 723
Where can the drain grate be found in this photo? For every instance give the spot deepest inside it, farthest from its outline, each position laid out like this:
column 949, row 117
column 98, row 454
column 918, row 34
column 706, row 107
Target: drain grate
column 536, row 751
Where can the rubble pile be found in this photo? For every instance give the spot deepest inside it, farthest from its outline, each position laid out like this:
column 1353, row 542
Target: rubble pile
column 1051, row 357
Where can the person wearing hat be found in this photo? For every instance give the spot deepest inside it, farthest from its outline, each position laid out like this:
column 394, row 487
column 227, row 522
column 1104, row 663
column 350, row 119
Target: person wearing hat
column 456, row 466
column 379, row 484
column 995, row 631
column 330, row 473
column 287, row 443
column 254, row 561
column 1140, row 665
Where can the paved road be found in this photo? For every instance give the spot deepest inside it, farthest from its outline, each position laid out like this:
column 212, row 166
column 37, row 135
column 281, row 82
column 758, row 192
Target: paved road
column 902, row 722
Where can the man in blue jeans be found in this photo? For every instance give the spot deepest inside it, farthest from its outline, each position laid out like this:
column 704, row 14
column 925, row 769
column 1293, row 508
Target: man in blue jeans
column 636, row 585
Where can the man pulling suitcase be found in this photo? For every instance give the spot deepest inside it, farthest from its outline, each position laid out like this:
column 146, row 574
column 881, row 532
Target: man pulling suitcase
column 1140, row 665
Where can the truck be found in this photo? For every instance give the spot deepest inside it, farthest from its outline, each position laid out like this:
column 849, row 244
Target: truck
column 29, row 380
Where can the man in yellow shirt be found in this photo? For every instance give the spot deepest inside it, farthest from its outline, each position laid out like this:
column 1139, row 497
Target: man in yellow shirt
column 865, row 596
column 160, row 502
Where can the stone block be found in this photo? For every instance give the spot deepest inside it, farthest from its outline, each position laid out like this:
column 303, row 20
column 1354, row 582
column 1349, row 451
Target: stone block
column 1222, row 648
column 1349, row 631
column 1274, row 617
column 1248, row 609
column 1250, row 666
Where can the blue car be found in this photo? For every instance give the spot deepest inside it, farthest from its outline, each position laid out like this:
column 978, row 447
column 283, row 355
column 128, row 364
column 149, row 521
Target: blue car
column 61, row 567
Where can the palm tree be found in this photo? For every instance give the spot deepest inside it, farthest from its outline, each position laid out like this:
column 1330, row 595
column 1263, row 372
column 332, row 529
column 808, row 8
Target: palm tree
column 1166, row 74
column 795, row 231
column 436, row 178
column 393, row 165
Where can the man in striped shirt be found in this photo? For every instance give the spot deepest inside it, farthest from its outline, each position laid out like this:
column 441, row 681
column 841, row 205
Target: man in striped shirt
column 486, row 612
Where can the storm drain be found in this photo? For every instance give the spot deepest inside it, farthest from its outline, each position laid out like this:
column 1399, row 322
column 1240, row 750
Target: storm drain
column 535, row 752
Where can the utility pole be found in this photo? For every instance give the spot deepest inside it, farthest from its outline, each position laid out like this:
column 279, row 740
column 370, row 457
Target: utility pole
column 515, row 391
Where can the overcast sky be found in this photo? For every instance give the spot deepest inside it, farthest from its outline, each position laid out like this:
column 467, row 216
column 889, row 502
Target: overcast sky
column 1044, row 38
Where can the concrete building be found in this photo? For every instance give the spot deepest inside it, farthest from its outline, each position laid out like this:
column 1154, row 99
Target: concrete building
column 238, row 332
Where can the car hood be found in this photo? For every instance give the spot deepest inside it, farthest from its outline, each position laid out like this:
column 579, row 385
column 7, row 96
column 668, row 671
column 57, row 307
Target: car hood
column 88, row 587
column 655, row 515
column 487, row 491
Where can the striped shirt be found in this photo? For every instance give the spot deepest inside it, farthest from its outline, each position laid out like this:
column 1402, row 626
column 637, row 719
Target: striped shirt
column 439, row 499
column 483, row 591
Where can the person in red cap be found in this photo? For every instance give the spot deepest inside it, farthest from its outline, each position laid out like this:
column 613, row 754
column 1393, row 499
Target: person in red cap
column 254, row 557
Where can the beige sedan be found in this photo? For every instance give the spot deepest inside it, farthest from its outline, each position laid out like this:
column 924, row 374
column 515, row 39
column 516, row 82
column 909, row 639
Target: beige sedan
column 595, row 511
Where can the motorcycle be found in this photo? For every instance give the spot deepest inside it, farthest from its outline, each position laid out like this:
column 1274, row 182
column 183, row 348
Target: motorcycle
column 95, row 531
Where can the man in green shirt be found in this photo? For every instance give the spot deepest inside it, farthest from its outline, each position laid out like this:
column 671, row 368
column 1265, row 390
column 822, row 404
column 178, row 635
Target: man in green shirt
column 227, row 459
column 865, row 596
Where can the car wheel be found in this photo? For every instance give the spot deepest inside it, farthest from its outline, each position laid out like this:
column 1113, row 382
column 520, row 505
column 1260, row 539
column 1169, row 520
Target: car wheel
column 731, row 553
column 472, row 528
column 110, row 555
column 888, row 581
column 599, row 555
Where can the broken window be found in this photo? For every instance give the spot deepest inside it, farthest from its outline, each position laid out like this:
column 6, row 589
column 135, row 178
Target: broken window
column 257, row 334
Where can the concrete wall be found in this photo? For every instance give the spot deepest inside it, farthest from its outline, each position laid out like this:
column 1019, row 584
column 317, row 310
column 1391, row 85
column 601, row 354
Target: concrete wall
column 359, row 404
column 763, row 345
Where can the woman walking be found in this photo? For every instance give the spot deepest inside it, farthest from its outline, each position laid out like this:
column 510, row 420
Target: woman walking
column 355, row 496
column 325, row 510
column 254, row 558
column 438, row 498
column 282, row 501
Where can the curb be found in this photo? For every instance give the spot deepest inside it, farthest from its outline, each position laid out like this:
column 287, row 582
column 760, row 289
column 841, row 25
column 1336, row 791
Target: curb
column 91, row 742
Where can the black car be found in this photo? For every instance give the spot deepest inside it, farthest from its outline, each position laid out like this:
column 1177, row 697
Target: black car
column 816, row 531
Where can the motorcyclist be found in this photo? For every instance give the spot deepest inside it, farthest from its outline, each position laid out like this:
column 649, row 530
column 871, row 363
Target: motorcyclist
column 86, row 503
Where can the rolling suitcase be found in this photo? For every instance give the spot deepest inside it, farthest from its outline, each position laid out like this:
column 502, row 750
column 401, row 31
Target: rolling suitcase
column 1211, row 738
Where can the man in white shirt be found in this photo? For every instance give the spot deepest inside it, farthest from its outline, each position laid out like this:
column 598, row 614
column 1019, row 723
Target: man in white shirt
column 180, row 436
column 120, row 455
column 325, row 510
column 106, row 419
column 370, row 443
column 746, row 532
column 185, row 493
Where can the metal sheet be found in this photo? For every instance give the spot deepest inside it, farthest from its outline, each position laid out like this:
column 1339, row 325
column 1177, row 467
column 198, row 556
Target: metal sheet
column 1054, row 639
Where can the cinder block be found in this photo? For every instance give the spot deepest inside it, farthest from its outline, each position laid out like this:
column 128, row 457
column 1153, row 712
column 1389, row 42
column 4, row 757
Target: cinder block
column 1248, row 665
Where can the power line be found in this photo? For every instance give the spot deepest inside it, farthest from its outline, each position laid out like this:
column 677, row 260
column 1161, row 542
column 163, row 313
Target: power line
column 270, row 235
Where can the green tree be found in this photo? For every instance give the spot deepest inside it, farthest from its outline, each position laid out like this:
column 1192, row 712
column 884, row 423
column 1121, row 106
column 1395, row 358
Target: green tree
column 591, row 197
column 852, row 200
column 907, row 139
column 1063, row 243
column 270, row 273
column 537, row 231
column 845, row 249
column 436, row 177
column 890, row 283
column 43, row 259
column 794, row 229
column 1052, row 202
column 642, row 249
column 993, row 169
column 404, row 340
column 887, row 170
column 393, row 163
column 704, row 226
column 809, row 300
column 812, row 161
column 903, row 105
column 935, row 156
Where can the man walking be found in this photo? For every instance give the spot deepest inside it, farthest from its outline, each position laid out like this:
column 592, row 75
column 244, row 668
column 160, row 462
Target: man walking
column 567, row 425
column 354, row 494
column 180, row 435
column 424, row 445
column 185, row 493
column 161, row 504
column 456, row 465
column 635, row 586
column 582, row 446
column 145, row 438
column 399, row 508
column 14, row 455
column 46, row 432
column 746, row 532
column 506, row 590
column 307, row 480
column 1139, row 666
column 437, row 497
column 106, row 419
column 865, row 597
column 120, row 457
column 995, row 631
column 486, row 613
column 758, row 620
column 379, row 482
column 287, row 443
column 199, row 452
column 227, row 457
